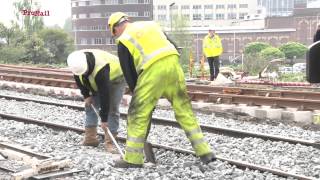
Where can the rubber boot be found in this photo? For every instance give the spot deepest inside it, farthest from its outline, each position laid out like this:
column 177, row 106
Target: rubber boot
column 120, row 163
column 109, row 144
column 90, row 137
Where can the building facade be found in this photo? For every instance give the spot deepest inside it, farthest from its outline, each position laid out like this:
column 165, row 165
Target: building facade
column 205, row 13
column 90, row 19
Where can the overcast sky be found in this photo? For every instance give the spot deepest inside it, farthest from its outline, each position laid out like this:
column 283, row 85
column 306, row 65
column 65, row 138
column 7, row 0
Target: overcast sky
column 59, row 11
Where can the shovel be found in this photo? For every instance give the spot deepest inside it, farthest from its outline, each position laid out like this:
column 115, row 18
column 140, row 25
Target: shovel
column 109, row 133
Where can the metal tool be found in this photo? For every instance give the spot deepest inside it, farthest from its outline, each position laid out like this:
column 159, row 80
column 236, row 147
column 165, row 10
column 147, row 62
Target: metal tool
column 109, row 133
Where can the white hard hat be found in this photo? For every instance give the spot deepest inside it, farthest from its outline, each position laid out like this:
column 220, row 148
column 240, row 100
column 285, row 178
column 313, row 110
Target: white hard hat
column 77, row 62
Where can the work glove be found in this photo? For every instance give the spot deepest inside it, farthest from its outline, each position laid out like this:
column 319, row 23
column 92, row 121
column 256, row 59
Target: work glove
column 88, row 101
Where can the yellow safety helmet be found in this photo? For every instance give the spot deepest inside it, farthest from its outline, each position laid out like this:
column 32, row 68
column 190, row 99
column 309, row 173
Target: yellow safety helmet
column 115, row 19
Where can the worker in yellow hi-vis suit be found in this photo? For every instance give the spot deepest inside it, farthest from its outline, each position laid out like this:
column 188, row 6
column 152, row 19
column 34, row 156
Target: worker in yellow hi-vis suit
column 212, row 49
column 150, row 64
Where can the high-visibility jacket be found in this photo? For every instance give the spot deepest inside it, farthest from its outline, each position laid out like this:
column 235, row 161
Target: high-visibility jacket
column 146, row 43
column 212, row 47
column 102, row 58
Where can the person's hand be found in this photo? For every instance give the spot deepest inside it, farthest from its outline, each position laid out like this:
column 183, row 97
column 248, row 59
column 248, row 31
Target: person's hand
column 104, row 126
column 88, row 101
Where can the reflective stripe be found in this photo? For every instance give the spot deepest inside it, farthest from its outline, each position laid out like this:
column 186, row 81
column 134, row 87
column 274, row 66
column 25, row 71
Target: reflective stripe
column 146, row 58
column 197, row 141
column 135, row 139
column 194, row 131
column 155, row 53
column 134, row 150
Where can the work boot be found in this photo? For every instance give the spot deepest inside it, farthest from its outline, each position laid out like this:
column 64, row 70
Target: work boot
column 120, row 163
column 207, row 158
column 90, row 137
column 109, row 144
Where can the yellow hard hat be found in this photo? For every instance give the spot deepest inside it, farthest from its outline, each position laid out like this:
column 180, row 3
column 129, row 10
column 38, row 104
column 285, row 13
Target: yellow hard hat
column 114, row 19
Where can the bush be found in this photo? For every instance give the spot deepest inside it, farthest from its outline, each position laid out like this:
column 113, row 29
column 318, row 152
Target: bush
column 255, row 47
column 272, row 53
column 292, row 49
column 254, row 64
column 10, row 54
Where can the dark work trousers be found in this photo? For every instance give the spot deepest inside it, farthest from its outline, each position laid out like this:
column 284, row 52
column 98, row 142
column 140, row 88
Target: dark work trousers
column 214, row 67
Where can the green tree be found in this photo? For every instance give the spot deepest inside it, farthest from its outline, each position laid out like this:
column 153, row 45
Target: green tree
column 67, row 27
column 36, row 51
column 293, row 49
column 181, row 39
column 10, row 54
column 58, row 42
column 255, row 47
column 30, row 24
column 271, row 53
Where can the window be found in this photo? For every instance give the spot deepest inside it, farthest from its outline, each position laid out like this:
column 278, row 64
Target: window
column 196, row 7
column 208, row 6
column 102, row 1
column 96, row 2
column 220, row 6
column 74, row 4
column 82, row 3
column 232, row 16
column 232, row 6
column 83, row 41
column 243, row 6
column 130, row 2
column 242, row 15
column 74, row 16
column 107, row 14
column 95, row 15
column 162, row 7
column 174, row 7
column 162, row 17
column 111, row 2
column 97, row 41
column 208, row 16
column 87, row 3
column 96, row 28
column 132, row 14
column 220, row 16
column 185, row 7
column 146, row 14
column 196, row 16
column 147, row 1
column 81, row 16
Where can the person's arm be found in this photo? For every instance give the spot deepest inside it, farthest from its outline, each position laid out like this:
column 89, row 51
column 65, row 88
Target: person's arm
column 127, row 66
column 103, row 85
column 84, row 90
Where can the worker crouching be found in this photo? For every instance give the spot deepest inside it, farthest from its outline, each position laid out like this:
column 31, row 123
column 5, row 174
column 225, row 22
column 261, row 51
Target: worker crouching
column 99, row 78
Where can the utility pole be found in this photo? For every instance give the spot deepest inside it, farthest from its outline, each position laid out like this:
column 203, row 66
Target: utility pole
column 170, row 9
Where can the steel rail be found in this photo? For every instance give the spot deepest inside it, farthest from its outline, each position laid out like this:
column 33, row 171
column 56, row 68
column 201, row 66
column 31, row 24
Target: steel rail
column 208, row 128
column 239, row 164
column 23, row 151
column 255, row 92
column 33, row 68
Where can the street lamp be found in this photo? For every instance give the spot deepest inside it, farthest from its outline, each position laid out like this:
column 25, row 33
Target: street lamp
column 170, row 8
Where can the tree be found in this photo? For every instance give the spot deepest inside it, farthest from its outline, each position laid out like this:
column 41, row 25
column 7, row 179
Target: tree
column 181, row 39
column 12, row 35
column 35, row 50
column 29, row 23
column 255, row 47
column 68, row 25
column 58, row 42
column 293, row 49
column 271, row 53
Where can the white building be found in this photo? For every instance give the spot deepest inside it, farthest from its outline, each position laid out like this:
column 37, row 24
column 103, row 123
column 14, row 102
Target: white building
column 206, row 13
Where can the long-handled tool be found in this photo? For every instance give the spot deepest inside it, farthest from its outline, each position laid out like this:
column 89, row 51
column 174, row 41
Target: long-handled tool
column 109, row 133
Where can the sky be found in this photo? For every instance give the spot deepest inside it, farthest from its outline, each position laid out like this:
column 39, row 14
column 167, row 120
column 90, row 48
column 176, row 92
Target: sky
column 59, row 11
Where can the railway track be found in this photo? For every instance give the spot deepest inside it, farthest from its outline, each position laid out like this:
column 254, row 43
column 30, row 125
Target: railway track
column 239, row 164
column 207, row 128
column 302, row 100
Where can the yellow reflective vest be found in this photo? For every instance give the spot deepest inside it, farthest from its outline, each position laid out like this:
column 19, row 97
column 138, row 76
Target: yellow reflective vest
column 103, row 58
column 212, row 47
column 146, row 43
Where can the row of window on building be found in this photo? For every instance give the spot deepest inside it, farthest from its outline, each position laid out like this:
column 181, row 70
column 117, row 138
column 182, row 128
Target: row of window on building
column 107, row 14
column 207, row 6
column 96, row 41
column 108, row 2
column 197, row 16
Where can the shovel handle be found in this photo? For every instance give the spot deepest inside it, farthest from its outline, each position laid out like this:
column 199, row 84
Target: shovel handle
column 109, row 133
